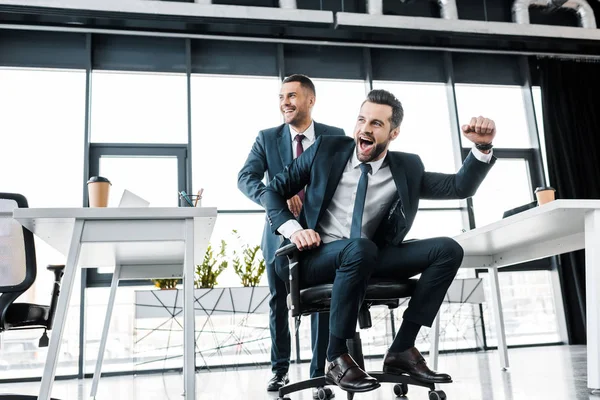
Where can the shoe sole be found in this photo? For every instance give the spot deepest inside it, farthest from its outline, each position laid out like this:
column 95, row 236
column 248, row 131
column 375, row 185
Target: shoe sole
column 363, row 390
column 398, row 371
column 276, row 389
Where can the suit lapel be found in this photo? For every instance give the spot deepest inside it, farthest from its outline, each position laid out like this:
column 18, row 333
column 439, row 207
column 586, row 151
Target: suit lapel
column 336, row 168
column 319, row 130
column 284, row 142
column 399, row 175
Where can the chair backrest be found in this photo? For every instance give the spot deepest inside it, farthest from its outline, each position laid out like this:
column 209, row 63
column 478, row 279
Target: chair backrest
column 17, row 253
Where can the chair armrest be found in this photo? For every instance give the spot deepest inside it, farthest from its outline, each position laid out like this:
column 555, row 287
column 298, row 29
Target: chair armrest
column 286, row 250
column 291, row 251
column 55, row 267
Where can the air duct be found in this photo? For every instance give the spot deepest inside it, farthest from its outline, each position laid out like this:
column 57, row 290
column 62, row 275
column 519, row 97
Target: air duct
column 520, row 10
column 448, row 8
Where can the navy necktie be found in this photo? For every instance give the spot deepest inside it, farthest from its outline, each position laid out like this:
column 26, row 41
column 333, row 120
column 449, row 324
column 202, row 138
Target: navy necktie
column 359, row 202
column 299, row 150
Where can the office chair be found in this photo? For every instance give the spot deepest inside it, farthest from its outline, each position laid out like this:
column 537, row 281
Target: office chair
column 18, row 270
column 308, row 300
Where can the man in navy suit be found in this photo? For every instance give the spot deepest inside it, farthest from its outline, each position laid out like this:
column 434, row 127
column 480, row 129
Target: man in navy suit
column 360, row 202
column 273, row 150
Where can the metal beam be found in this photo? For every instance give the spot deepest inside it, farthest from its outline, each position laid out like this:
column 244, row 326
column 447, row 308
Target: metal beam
column 397, row 23
column 316, row 42
column 166, row 9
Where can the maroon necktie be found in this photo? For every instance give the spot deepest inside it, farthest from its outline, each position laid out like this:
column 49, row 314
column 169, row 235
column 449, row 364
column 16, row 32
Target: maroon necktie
column 299, row 150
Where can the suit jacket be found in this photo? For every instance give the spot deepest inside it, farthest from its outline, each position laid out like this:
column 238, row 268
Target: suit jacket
column 321, row 167
column 271, row 152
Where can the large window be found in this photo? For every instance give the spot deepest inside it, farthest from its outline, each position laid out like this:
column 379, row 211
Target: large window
column 503, row 104
column 139, row 108
column 338, row 102
column 41, row 156
column 510, row 184
column 227, row 114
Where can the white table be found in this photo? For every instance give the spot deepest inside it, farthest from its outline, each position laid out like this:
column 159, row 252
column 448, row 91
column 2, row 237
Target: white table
column 558, row 227
column 139, row 243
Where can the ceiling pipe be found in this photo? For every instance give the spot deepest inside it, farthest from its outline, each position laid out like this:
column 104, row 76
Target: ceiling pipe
column 288, row 4
column 448, row 8
column 584, row 11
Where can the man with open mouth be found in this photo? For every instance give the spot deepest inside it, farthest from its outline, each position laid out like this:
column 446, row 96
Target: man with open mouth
column 360, row 202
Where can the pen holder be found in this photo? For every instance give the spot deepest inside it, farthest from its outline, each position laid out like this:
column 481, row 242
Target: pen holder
column 194, row 199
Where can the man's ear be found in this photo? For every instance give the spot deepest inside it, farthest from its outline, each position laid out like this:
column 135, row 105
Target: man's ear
column 394, row 133
column 312, row 100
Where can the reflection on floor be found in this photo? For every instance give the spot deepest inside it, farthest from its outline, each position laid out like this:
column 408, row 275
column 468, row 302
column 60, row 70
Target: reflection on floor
column 536, row 373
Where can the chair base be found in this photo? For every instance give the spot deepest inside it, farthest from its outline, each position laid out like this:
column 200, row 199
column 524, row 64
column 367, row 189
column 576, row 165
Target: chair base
column 400, row 388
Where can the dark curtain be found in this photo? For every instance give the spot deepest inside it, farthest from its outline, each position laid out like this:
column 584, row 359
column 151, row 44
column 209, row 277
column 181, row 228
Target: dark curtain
column 571, row 105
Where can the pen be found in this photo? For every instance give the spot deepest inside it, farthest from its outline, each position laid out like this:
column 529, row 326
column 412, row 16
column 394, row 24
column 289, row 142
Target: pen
column 198, row 197
column 184, row 195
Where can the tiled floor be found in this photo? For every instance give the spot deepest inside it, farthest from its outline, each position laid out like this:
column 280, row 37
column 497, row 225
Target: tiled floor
column 536, row 373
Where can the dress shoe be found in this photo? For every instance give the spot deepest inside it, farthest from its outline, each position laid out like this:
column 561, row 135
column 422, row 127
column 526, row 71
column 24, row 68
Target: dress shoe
column 277, row 381
column 328, row 393
column 345, row 373
column 411, row 362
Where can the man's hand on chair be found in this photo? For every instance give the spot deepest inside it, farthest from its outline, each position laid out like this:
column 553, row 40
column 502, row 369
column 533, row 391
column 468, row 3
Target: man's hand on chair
column 306, row 239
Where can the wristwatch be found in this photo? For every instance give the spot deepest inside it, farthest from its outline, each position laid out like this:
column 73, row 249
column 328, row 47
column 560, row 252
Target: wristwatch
column 484, row 147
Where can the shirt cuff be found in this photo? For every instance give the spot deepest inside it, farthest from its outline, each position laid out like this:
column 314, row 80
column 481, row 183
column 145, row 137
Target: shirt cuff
column 484, row 158
column 289, row 227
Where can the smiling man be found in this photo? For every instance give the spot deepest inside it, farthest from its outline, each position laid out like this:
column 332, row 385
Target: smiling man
column 273, row 150
column 360, row 202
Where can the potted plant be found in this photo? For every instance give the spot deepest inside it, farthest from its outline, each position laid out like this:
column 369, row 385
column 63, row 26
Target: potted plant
column 165, row 284
column 248, row 263
column 211, row 267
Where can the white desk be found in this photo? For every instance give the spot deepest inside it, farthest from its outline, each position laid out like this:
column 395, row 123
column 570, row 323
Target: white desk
column 140, row 243
column 558, row 227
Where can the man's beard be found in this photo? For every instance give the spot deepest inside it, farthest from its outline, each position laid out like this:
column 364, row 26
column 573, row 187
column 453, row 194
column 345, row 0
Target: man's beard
column 298, row 118
column 379, row 148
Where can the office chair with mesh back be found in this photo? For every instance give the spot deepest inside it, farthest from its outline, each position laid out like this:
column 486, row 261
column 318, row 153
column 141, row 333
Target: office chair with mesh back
column 18, row 270
column 308, row 300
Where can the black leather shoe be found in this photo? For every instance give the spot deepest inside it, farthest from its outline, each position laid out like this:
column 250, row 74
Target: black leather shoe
column 327, row 392
column 345, row 373
column 411, row 362
column 277, row 381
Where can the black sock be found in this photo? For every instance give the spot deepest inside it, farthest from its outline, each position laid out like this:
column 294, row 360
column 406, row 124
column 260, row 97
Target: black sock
column 336, row 347
column 405, row 339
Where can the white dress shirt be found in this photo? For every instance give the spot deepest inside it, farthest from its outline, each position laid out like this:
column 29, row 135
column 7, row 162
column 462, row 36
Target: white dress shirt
column 381, row 189
column 309, row 138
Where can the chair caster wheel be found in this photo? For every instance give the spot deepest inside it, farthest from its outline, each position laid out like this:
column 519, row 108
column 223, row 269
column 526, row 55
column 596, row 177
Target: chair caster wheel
column 437, row 395
column 324, row 393
column 350, row 395
column 400, row 389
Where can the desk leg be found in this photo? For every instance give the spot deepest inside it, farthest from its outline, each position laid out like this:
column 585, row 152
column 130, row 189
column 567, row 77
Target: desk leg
column 592, row 290
column 109, row 310
column 498, row 317
column 189, row 348
column 61, row 312
column 435, row 343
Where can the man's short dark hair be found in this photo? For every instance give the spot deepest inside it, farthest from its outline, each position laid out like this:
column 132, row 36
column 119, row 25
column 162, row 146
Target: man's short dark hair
column 380, row 96
column 304, row 80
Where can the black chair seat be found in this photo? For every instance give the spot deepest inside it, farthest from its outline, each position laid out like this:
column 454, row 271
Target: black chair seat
column 379, row 292
column 26, row 314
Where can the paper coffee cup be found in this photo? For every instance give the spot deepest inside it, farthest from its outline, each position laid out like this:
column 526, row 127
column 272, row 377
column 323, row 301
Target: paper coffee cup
column 544, row 194
column 98, row 190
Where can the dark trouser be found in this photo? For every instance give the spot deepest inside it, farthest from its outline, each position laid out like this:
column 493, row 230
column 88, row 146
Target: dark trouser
column 350, row 263
column 280, row 331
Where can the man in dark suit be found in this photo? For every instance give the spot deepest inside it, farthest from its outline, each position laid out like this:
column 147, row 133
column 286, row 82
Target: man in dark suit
column 274, row 149
column 360, row 202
